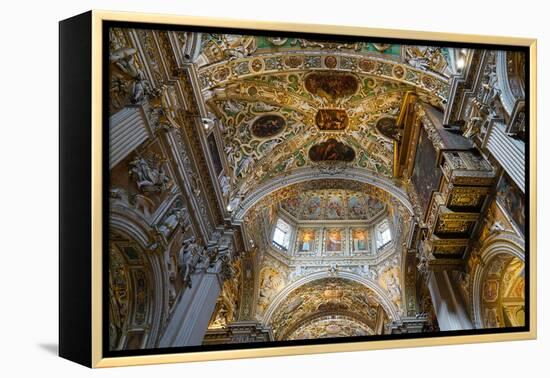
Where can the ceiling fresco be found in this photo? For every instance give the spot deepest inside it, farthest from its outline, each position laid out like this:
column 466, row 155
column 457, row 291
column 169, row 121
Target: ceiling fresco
column 503, row 293
column 220, row 47
column 300, row 172
column 335, row 204
column 325, row 199
column 268, row 129
column 330, row 326
column 330, row 296
column 285, row 103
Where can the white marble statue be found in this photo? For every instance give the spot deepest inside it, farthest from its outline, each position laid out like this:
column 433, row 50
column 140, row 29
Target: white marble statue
column 225, row 185
column 148, row 178
column 187, row 259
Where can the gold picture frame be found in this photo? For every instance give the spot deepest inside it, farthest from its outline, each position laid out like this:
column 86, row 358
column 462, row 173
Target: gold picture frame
column 90, row 266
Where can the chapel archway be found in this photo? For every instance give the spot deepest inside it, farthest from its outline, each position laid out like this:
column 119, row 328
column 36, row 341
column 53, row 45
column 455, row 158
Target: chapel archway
column 327, row 307
column 499, row 285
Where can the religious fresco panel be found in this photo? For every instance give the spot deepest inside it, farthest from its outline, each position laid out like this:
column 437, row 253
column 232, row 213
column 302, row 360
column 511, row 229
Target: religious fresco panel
column 268, row 126
column 306, row 240
column 426, row 176
column 331, row 150
column 387, row 127
column 335, row 208
column 312, row 208
column 334, row 240
column 332, row 119
column 331, row 85
column 360, row 239
column 512, row 200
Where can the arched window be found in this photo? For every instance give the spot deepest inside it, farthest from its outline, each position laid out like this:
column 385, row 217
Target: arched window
column 281, row 235
column 383, row 234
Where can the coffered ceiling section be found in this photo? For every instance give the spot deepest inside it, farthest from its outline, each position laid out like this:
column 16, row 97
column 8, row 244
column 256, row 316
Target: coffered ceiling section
column 284, row 103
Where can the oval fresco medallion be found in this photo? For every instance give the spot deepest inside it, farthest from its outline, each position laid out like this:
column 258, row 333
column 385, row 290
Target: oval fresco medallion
column 398, row 72
column 331, row 150
column 367, row 65
column 387, row 127
column 331, row 61
column 331, row 85
column 294, row 61
column 268, row 125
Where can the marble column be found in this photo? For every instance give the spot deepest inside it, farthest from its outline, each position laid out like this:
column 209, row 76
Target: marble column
column 189, row 320
column 448, row 304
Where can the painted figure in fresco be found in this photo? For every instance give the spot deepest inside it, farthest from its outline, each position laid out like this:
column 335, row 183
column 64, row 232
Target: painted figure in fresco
column 357, row 207
column 331, row 85
column 331, row 119
column 268, row 125
column 491, row 318
column 334, row 241
column 292, row 204
column 306, row 242
column 335, row 210
column 359, row 240
column 331, row 150
column 312, row 209
column 490, row 290
column 387, row 127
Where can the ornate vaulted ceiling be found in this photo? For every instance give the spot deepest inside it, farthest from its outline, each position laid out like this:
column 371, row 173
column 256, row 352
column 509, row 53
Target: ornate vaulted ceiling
column 285, row 103
column 283, row 106
column 303, row 311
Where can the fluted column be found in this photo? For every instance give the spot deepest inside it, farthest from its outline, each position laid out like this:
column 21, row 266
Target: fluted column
column 127, row 130
column 509, row 152
column 449, row 307
column 189, row 320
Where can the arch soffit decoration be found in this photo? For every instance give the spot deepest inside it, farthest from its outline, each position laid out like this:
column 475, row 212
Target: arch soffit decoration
column 135, row 228
column 132, row 226
column 302, row 175
column 388, row 306
column 383, row 68
column 319, row 316
column 502, row 244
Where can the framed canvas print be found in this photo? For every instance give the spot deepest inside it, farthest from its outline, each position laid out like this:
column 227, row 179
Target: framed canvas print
column 234, row 189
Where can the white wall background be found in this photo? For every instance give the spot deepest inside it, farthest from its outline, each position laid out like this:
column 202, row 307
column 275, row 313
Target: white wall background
column 29, row 189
